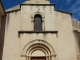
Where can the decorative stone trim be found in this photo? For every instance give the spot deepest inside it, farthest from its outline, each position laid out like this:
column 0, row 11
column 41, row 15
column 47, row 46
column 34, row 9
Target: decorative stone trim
column 38, row 45
column 37, row 32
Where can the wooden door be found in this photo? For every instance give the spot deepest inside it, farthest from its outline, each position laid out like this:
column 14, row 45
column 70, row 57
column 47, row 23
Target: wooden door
column 38, row 58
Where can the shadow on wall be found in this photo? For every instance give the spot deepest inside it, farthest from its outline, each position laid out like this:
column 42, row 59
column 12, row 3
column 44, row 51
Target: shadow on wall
column 2, row 33
column 76, row 25
column 77, row 36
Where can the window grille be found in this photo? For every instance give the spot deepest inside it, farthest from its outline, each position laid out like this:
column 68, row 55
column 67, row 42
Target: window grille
column 37, row 23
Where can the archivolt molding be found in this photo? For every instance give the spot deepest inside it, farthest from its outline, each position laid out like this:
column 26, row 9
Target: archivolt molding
column 38, row 49
column 37, row 13
column 38, row 45
column 32, row 16
column 42, row 17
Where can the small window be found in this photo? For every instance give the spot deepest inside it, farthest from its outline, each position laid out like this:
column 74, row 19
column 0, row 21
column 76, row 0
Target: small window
column 37, row 22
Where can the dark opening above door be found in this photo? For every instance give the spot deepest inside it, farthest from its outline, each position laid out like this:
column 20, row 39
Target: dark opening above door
column 38, row 58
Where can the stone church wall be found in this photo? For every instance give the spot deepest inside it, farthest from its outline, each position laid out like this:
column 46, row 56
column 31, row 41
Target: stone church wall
column 27, row 24
column 66, row 43
column 46, row 11
column 63, row 41
column 76, row 25
column 76, row 30
column 25, row 38
column 11, row 40
column 77, row 41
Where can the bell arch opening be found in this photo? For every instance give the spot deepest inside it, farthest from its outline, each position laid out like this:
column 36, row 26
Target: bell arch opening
column 38, row 18
column 37, row 22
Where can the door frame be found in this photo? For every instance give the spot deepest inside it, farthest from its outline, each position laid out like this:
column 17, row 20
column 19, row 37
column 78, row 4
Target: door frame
column 38, row 57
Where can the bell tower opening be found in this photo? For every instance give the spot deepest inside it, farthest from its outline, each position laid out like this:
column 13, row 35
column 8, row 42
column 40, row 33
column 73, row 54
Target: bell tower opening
column 37, row 22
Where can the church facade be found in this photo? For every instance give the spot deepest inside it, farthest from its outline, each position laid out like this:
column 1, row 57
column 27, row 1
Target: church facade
column 35, row 30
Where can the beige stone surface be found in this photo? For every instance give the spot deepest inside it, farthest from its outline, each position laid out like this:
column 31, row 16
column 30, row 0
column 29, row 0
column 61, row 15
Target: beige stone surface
column 76, row 25
column 28, row 11
column 63, row 42
column 11, row 42
column 50, row 38
column 66, row 42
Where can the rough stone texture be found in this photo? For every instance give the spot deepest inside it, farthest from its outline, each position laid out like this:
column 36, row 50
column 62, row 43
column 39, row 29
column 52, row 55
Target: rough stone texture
column 63, row 42
column 11, row 40
column 76, row 25
column 66, row 43
column 77, row 41
column 28, row 11
column 76, row 28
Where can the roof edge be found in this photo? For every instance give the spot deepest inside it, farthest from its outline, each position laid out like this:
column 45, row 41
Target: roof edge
column 13, row 11
column 45, row 4
column 63, row 11
column 37, row 4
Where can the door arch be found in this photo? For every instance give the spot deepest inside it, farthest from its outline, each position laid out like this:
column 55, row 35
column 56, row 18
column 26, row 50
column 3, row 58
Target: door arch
column 38, row 53
column 40, row 45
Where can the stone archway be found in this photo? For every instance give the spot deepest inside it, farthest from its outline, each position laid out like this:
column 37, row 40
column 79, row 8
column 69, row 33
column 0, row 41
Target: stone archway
column 42, row 18
column 38, row 45
column 37, row 13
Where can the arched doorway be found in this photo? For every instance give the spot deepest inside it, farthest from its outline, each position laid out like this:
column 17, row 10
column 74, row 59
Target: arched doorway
column 38, row 50
column 38, row 55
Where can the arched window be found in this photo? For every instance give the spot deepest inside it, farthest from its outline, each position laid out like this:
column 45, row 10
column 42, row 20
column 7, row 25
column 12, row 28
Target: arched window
column 37, row 22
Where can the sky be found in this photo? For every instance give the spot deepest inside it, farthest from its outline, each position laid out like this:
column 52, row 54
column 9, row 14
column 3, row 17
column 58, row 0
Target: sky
column 72, row 6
